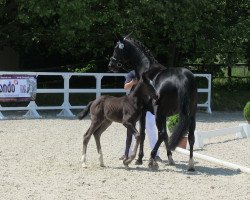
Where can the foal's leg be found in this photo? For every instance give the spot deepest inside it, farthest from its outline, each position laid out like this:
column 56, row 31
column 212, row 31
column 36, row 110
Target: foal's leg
column 86, row 138
column 95, row 124
column 128, row 144
column 191, row 141
column 97, row 135
column 142, row 134
column 132, row 129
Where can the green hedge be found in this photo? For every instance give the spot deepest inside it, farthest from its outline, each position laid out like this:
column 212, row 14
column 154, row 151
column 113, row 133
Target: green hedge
column 246, row 111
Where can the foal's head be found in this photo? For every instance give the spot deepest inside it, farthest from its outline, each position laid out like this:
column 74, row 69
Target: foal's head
column 146, row 88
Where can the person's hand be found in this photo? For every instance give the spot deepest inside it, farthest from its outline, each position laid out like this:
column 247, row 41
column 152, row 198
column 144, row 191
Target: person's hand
column 135, row 81
column 129, row 85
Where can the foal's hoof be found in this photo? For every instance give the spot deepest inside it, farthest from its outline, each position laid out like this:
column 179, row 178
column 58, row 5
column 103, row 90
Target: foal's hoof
column 138, row 162
column 126, row 162
column 153, row 164
column 84, row 165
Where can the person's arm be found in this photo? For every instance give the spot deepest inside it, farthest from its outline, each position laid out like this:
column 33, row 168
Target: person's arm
column 129, row 85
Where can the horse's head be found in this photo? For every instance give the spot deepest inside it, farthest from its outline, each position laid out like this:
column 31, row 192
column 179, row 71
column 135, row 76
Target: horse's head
column 120, row 55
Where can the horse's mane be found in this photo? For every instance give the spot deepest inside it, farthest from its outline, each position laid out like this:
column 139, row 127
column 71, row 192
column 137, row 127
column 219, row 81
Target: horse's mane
column 144, row 49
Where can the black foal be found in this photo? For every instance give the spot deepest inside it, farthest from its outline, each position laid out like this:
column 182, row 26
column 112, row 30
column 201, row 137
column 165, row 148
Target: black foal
column 126, row 110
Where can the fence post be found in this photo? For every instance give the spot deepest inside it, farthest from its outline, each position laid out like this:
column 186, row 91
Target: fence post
column 246, row 129
column 32, row 113
column 66, row 112
column 98, row 84
column 198, row 140
column 208, row 76
column 1, row 115
column 245, row 132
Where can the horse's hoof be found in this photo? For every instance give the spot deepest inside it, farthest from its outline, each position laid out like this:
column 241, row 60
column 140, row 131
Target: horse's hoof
column 191, row 169
column 191, row 165
column 171, row 162
column 153, row 164
column 102, row 165
column 138, row 162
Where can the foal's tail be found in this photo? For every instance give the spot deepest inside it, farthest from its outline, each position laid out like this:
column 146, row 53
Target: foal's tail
column 182, row 127
column 85, row 111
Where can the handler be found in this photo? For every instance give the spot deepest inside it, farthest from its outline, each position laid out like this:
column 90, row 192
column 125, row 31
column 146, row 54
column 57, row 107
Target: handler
column 130, row 82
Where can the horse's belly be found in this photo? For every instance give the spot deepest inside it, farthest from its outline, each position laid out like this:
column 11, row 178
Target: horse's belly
column 114, row 115
column 168, row 106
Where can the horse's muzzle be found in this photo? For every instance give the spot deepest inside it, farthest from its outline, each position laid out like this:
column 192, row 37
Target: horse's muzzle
column 112, row 68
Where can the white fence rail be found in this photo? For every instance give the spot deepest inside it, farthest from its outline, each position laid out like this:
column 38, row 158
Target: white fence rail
column 66, row 107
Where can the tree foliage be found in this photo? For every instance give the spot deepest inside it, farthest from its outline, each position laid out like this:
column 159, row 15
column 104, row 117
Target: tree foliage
column 177, row 32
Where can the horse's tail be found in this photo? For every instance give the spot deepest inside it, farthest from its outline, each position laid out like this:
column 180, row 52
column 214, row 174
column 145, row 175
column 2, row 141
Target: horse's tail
column 182, row 127
column 85, row 111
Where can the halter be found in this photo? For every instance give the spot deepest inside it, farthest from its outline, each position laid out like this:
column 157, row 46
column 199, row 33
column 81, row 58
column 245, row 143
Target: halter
column 118, row 64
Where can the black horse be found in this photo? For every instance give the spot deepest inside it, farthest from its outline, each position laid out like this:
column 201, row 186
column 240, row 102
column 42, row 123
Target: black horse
column 126, row 110
column 177, row 91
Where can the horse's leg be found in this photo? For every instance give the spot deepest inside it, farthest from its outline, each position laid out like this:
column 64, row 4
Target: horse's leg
column 142, row 134
column 191, row 141
column 162, row 134
column 95, row 124
column 169, row 153
column 97, row 135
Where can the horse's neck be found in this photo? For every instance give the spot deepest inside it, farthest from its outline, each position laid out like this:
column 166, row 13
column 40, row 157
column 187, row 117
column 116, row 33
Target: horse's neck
column 143, row 61
column 139, row 60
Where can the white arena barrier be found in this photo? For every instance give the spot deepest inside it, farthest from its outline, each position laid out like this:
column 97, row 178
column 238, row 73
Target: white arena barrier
column 241, row 131
column 215, row 160
column 65, row 108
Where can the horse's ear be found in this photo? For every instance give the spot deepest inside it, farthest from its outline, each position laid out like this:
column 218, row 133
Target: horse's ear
column 118, row 37
column 127, row 36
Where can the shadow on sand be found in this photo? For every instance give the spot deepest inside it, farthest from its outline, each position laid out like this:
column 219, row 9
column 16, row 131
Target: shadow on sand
column 210, row 171
column 182, row 168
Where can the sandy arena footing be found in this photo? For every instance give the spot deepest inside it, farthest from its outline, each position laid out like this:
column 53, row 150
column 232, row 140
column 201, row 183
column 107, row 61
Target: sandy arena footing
column 40, row 159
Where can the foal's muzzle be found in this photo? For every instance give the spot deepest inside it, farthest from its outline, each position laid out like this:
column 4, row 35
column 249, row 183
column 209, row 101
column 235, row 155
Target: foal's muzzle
column 155, row 97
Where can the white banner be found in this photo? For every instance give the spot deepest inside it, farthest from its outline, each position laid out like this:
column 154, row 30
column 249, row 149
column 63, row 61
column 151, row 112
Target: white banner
column 18, row 87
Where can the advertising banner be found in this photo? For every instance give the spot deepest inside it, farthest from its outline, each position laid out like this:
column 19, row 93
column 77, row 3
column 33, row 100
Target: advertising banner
column 17, row 87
